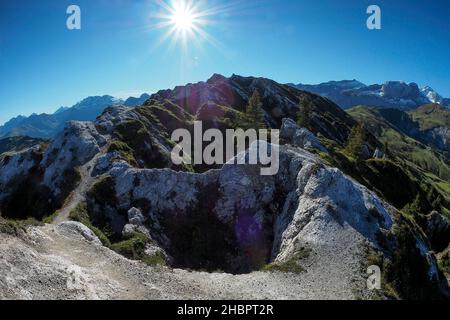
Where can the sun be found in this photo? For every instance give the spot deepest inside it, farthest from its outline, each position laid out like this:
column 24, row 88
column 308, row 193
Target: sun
column 183, row 19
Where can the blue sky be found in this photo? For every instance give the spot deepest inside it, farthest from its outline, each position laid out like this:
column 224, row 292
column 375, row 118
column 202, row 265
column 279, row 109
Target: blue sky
column 118, row 51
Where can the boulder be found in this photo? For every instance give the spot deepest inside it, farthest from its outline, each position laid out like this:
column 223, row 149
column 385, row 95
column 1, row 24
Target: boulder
column 300, row 137
column 288, row 129
column 378, row 154
column 135, row 217
column 104, row 163
column 130, row 229
column 76, row 228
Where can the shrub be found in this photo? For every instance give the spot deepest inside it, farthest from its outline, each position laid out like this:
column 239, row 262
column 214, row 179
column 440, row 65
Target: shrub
column 405, row 270
column 80, row 214
column 290, row 266
column 103, row 191
column 134, row 248
column 50, row 218
column 15, row 227
column 124, row 150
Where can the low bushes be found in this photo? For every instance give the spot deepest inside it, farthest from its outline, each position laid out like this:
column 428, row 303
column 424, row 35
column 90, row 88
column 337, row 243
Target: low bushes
column 80, row 214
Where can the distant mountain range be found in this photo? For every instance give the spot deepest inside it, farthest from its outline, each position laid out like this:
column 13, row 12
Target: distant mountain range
column 391, row 94
column 346, row 94
column 48, row 125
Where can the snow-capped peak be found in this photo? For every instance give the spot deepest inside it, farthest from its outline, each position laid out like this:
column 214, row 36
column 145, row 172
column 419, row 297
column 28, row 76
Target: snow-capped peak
column 432, row 95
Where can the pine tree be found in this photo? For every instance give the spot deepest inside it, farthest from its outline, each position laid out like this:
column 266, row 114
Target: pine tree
column 304, row 114
column 356, row 141
column 254, row 114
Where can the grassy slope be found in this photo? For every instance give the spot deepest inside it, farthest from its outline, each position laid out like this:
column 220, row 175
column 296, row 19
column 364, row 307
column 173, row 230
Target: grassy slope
column 14, row 144
column 431, row 116
column 419, row 161
column 403, row 146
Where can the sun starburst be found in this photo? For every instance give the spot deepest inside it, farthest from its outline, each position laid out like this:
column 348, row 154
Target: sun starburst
column 185, row 20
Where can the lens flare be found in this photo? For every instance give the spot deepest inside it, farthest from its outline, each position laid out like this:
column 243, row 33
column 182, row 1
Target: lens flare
column 186, row 20
column 183, row 19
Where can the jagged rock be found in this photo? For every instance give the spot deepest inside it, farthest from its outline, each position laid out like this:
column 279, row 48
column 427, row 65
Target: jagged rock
column 16, row 164
column 130, row 229
column 135, row 217
column 300, row 137
column 111, row 117
column 439, row 137
column 307, row 140
column 378, row 154
column 153, row 250
column 76, row 145
column 135, row 224
column 288, row 129
column 104, row 163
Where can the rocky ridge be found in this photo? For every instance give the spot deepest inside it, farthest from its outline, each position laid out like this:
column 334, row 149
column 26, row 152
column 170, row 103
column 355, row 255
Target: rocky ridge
column 310, row 225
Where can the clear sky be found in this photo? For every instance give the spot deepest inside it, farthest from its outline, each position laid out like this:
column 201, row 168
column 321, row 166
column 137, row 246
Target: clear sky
column 120, row 51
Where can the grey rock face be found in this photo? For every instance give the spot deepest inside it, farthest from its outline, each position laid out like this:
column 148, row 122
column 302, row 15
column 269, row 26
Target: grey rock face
column 439, row 137
column 263, row 218
column 111, row 117
column 400, row 90
column 288, row 129
column 76, row 145
column 135, row 217
column 15, row 164
column 300, row 137
column 104, row 162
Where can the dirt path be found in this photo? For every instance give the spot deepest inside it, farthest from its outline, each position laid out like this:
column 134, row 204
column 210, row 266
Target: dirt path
column 79, row 194
column 57, row 262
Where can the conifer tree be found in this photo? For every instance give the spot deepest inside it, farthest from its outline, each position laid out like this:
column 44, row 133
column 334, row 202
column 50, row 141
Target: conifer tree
column 254, row 114
column 356, row 141
column 304, row 114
